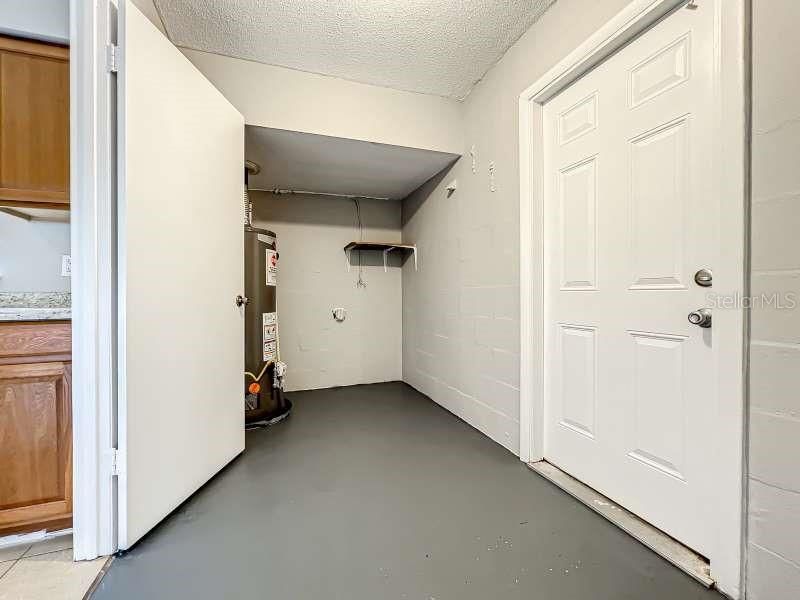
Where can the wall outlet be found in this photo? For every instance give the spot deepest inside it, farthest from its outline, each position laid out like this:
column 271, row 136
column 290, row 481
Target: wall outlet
column 66, row 265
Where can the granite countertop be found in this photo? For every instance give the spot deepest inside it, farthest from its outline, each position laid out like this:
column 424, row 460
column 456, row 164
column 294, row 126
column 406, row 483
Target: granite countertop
column 35, row 306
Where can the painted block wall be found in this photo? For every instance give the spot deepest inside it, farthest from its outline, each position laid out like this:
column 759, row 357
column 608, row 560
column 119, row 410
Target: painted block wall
column 461, row 310
column 773, row 569
column 313, row 279
column 30, row 255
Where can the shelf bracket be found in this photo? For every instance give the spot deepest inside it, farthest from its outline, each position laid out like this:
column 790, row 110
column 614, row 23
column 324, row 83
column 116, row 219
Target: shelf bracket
column 384, row 248
column 385, row 254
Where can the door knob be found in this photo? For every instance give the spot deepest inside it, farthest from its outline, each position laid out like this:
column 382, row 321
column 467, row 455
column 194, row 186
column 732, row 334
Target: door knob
column 242, row 300
column 700, row 317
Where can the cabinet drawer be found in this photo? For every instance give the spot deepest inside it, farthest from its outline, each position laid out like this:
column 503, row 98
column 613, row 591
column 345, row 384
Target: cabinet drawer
column 34, row 339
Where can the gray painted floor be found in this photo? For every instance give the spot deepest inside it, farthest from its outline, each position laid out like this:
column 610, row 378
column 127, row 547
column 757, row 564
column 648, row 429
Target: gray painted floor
column 375, row 492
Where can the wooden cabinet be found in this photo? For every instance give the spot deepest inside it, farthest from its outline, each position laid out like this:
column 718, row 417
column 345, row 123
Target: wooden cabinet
column 34, row 123
column 35, row 427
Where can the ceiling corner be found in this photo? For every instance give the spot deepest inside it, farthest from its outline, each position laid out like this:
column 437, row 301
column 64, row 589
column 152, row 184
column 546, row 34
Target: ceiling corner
column 150, row 10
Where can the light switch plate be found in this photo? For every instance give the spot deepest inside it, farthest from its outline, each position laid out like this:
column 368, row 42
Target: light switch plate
column 66, row 265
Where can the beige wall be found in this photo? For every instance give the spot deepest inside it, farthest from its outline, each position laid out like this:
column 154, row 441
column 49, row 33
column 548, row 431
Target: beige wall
column 773, row 571
column 313, row 279
column 461, row 311
column 30, row 255
column 271, row 96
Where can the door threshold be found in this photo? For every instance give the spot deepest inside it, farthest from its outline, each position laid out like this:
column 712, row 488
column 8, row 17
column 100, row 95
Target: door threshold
column 659, row 542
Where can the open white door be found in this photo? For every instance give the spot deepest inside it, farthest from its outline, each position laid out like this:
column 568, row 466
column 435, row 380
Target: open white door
column 181, row 265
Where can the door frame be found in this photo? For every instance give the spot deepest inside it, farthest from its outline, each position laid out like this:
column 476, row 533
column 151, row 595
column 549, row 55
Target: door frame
column 731, row 171
column 93, row 247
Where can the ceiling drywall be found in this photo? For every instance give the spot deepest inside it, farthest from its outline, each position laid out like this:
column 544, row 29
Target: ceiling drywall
column 150, row 11
column 440, row 47
column 318, row 163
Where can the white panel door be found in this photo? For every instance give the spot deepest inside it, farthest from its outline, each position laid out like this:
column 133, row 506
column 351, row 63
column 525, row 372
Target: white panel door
column 631, row 215
column 181, row 265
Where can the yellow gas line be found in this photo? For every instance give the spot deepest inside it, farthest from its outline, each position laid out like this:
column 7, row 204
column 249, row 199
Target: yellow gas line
column 261, row 374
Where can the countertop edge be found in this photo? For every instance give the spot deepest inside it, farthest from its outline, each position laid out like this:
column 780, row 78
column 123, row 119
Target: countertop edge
column 16, row 315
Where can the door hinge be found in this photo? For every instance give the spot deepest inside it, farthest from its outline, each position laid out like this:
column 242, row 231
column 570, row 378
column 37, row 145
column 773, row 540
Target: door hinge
column 117, row 462
column 112, row 58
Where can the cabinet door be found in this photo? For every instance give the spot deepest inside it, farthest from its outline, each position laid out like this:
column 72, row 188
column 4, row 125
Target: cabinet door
column 34, row 123
column 35, row 446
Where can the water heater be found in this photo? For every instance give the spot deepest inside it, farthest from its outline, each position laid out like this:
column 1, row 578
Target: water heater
column 263, row 378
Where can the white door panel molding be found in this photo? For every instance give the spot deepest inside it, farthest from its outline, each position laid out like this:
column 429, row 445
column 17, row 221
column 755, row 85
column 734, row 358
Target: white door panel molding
column 632, row 177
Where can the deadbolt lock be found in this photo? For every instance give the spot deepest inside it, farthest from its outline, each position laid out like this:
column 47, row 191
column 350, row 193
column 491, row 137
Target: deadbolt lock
column 703, row 278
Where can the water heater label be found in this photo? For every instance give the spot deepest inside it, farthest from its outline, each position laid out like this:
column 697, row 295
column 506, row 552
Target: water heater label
column 272, row 267
column 270, row 340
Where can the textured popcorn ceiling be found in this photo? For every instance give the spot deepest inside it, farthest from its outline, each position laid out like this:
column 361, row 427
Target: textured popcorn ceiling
column 440, row 47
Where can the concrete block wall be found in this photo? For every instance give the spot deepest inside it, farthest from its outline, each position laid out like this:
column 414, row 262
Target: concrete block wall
column 313, row 279
column 461, row 309
column 773, row 569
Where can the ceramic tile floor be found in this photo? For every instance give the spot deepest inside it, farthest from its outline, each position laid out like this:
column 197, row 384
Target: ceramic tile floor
column 45, row 570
